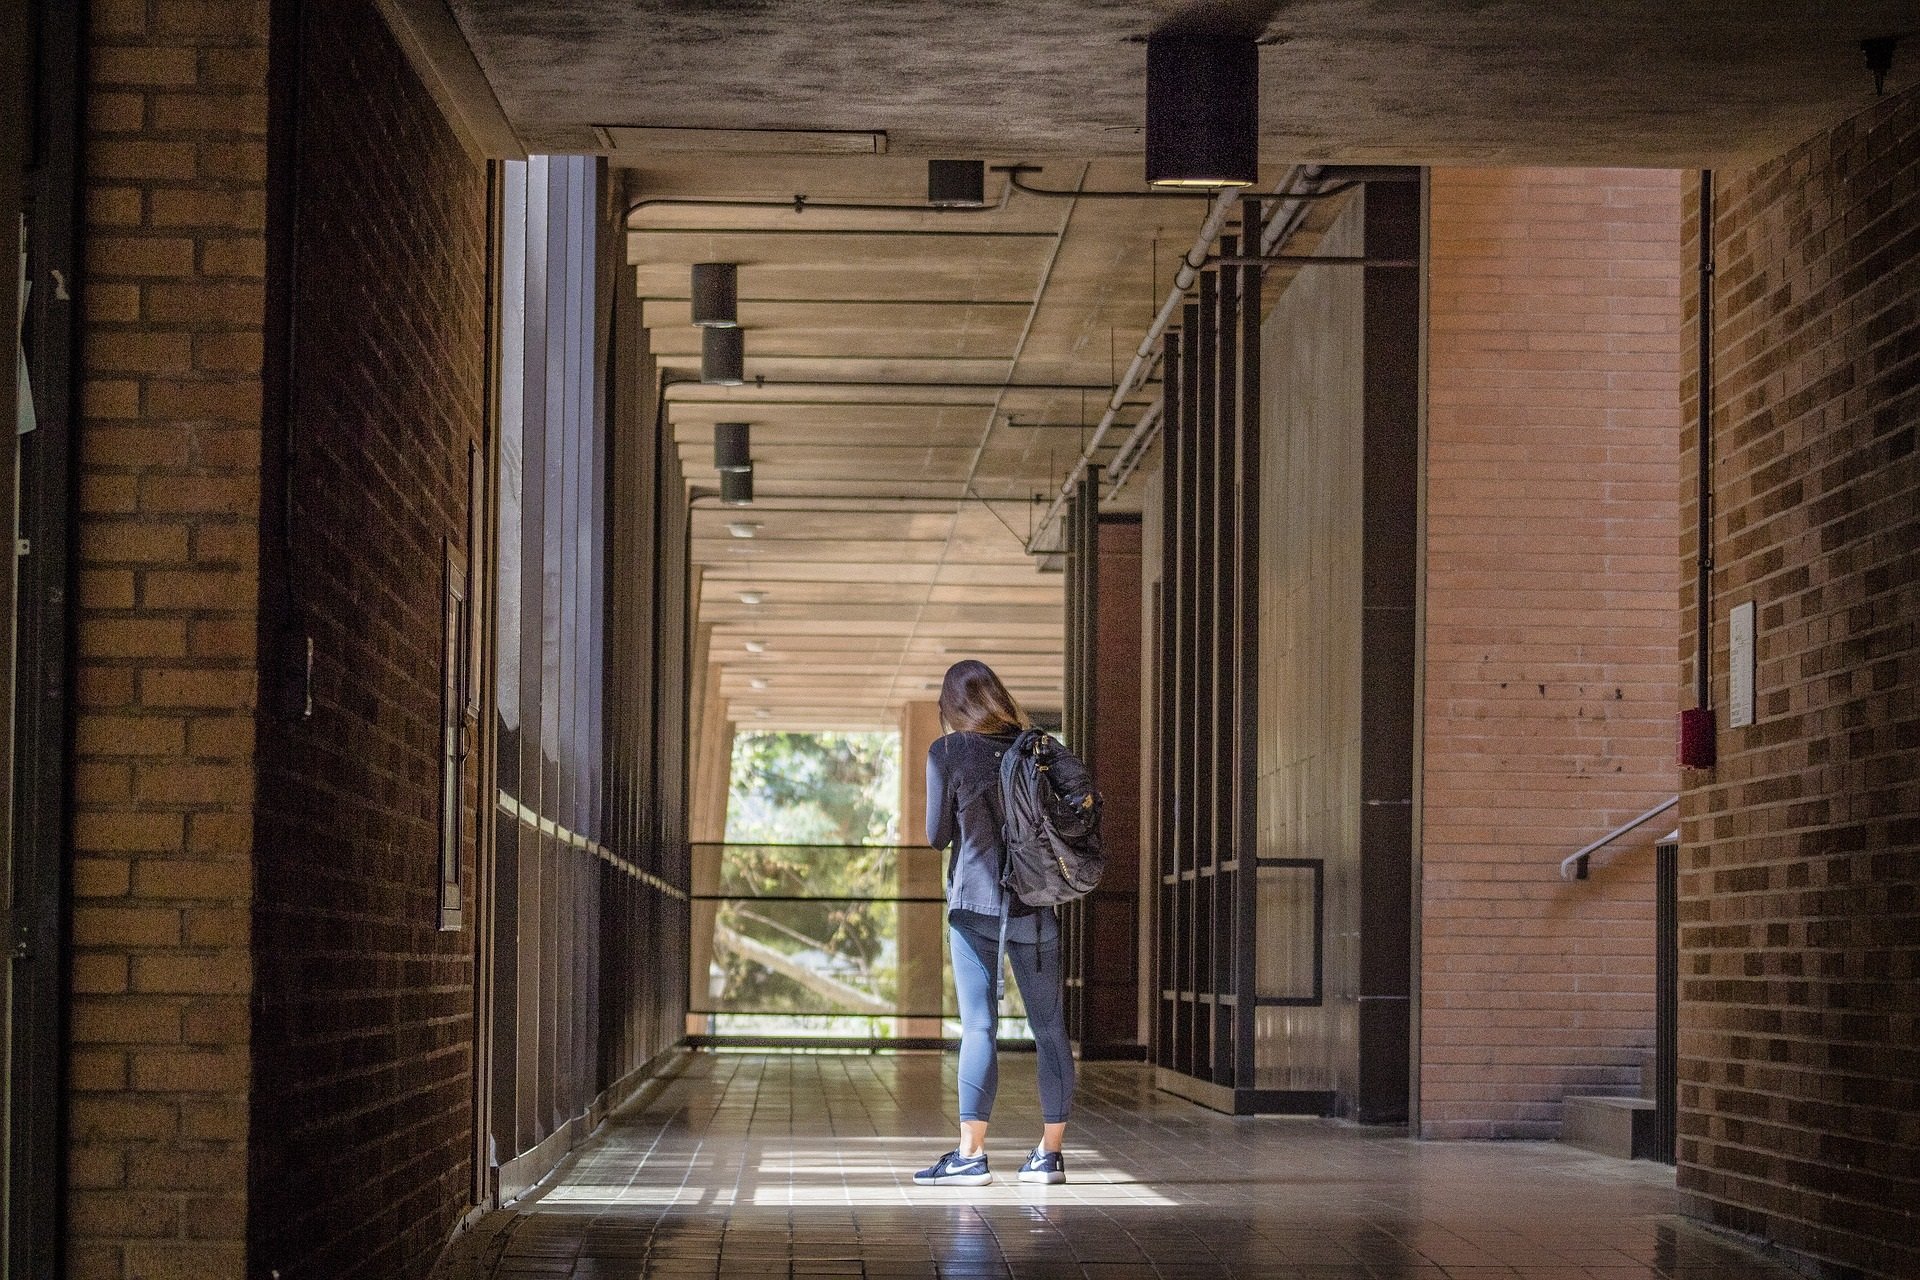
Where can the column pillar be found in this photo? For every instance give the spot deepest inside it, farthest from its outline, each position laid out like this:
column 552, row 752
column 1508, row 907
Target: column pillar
column 708, row 787
column 922, row 933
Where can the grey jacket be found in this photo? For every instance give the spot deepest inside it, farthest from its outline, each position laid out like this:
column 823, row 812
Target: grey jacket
column 963, row 810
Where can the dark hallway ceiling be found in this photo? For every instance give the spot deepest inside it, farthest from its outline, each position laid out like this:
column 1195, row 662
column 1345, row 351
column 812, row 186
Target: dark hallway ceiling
column 1640, row 82
column 888, row 535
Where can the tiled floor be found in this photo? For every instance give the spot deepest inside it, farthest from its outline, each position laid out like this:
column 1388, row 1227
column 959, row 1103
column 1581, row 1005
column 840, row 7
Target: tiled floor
column 800, row 1165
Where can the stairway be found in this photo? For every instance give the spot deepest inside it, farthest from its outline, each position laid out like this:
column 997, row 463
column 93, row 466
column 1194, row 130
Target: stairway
column 1614, row 1126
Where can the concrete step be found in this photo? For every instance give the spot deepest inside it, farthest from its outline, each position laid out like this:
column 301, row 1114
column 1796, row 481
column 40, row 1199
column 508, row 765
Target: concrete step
column 1620, row 1127
column 1646, row 1075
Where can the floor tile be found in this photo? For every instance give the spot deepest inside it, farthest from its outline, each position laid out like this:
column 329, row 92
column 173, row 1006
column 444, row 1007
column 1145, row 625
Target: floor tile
column 775, row 1165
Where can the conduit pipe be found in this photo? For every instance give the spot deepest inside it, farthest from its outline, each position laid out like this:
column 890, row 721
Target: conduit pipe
column 1284, row 219
column 1697, row 749
column 1703, row 479
column 1143, row 358
column 1279, row 228
column 677, row 380
column 800, row 203
column 1134, row 447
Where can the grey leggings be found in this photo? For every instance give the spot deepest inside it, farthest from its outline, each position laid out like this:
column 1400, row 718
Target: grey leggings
column 1036, row 967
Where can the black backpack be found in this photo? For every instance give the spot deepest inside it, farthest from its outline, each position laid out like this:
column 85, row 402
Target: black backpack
column 1052, row 817
column 1051, row 828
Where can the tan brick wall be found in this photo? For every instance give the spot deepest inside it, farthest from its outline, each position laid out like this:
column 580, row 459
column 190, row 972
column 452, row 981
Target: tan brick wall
column 1800, row 857
column 168, row 579
column 363, row 1008
column 1553, row 439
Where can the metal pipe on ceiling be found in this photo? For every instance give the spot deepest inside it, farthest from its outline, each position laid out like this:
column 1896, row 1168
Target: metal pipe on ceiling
column 756, row 382
column 1134, row 447
column 1014, row 172
column 973, row 468
column 1307, row 260
column 1144, row 356
column 1280, row 226
column 800, row 204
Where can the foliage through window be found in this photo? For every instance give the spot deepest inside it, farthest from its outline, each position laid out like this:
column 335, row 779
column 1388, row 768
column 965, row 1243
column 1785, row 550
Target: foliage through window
column 811, row 818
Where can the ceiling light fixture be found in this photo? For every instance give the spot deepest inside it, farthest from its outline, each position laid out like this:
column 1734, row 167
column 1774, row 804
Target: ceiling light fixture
column 732, row 446
column 736, row 487
column 716, row 295
column 1879, row 51
column 756, row 683
column 756, row 646
column 723, row 357
column 761, row 713
column 751, row 597
column 743, row 528
column 956, row 184
column 1203, row 109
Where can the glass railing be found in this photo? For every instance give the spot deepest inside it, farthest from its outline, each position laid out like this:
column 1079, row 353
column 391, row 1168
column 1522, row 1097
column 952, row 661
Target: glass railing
column 805, row 942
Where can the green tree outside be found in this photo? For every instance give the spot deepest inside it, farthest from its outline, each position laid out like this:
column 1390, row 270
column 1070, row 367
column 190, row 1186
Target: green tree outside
column 811, row 816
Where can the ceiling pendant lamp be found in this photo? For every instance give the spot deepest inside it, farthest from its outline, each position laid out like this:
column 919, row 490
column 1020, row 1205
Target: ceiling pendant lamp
column 736, row 487
column 716, row 295
column 732, row 449
column 1203, row 109
column 956, row 184
column 723, row 357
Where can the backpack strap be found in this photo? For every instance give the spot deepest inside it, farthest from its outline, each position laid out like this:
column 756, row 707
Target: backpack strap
column 1030, row 742
column 1000, row 956
column 1006, row 868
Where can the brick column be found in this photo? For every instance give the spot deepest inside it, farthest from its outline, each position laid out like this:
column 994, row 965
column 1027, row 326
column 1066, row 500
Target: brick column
column 1553, row 434
column 168, row 579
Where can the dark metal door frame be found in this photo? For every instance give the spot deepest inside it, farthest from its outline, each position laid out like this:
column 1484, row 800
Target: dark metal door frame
column 48, row 165
column 1666, row 985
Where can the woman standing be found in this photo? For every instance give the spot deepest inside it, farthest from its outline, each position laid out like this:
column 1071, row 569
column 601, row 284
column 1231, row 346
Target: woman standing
column 963, row 810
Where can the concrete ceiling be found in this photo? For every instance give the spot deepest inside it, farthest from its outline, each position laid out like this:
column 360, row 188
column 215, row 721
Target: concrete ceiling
column 924, row 370
column 927, row 375
column 1637, row 82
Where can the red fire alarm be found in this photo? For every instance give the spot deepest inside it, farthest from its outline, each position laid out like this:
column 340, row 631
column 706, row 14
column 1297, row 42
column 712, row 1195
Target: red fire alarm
column 1696, row 738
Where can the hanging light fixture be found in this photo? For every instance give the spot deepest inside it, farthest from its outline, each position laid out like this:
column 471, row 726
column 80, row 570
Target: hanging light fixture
column 1203, row 109
column 732, row 450
column 723, row 357
column 716, row 295
column 957, row 184
column 736, row 487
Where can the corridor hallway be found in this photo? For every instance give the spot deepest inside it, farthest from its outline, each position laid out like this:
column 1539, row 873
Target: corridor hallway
column 802, row 1164
column 1447, row 470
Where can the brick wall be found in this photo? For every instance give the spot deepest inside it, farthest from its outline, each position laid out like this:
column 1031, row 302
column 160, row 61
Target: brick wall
column 1552, row 442
column 364, row 1010
column 1800, row 936
column 169, row 441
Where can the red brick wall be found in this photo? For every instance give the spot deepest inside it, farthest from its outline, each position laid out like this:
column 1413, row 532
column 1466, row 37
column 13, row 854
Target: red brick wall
column 169, row 456
column 1800, row 934
column 364, row 1010
column 1552, row 440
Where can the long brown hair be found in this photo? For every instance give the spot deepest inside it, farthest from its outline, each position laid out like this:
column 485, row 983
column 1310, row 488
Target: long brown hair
column 973, row 700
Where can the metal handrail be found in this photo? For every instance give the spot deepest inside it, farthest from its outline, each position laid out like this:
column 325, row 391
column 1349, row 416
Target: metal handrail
column 1574, row 865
